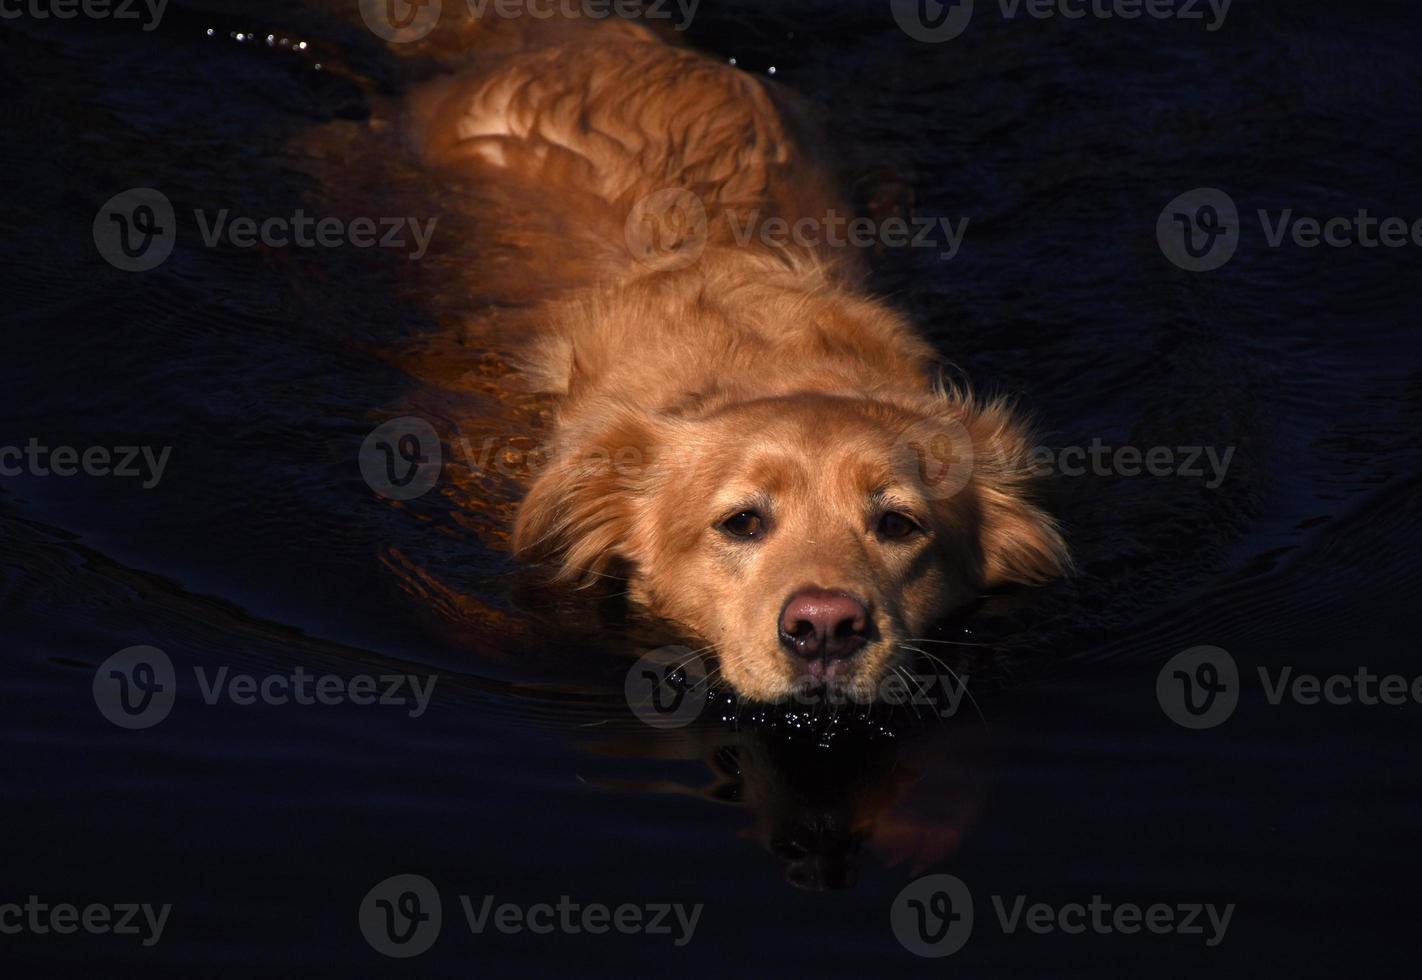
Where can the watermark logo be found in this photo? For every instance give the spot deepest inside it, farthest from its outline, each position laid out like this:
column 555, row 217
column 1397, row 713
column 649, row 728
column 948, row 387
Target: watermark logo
column 935, row 21
column 935, row 455
column 88, row 9
column 401, row 458
column 400, row 21
column 933, row 916
column 1199, row 687
column 135, row 230
column 667, row 229
column 302, row 687
column 144, row 463
column 591, row 9
column 40, row 918
column 135, row 687
column 932, row 21
column 303, row 230
column 401, row 916
column 668, row 687
column 1199, row 230
column 1364, row 229
column 577, row 918
column 837, row 230
column 1100, row 459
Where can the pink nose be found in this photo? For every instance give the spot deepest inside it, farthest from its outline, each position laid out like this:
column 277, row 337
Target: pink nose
column 820, row 624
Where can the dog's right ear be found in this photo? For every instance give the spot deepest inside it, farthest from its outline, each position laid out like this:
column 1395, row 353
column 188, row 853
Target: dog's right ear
column 979, row 455
column 581, row 510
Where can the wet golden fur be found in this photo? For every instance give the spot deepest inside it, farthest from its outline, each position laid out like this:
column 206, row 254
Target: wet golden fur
column 711, row 376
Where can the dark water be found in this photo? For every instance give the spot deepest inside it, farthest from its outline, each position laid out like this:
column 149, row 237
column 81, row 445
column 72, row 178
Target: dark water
column 527, row 777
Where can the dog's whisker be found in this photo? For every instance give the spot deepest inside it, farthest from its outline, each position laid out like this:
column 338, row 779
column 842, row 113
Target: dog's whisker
column 695, row 655
column 961, row 684
column 952, row 643
column 924, row 691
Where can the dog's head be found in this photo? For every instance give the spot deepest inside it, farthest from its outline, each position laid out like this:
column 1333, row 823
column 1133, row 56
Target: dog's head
column 807, row 537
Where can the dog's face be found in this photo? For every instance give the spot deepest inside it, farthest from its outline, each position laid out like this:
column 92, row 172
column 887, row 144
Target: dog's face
column 806, row 537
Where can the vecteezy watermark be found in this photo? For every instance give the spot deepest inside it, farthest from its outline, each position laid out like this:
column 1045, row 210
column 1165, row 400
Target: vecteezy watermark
column 401, row 458
column 1200, row 230
column 1107, row 460
column 669, row 688
column 404, row 21
column 671, row 919
column 136, row 688
column 304, row 231
column 135, row 230
column 935, row 455
column 681, row 10
column 402, row 916
column 400, row 21
column 88, row 9
column 838, row 230
column 1199, row 687
column 126, row 462
column 933, row 917
column 407, row 691
column 668, row 229
column 97, row 918
column 935, row 21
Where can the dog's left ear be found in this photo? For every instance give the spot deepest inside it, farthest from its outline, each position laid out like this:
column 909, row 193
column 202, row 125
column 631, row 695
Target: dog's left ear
column 581, row 511
column 1021, row 542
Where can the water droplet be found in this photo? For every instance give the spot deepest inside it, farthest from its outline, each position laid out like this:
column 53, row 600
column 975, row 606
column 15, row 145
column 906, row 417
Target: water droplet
column 770, row 70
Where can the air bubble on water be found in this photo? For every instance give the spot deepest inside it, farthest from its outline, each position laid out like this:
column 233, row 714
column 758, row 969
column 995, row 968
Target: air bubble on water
column 770, row 70
column 733, row 62
column 210, row 32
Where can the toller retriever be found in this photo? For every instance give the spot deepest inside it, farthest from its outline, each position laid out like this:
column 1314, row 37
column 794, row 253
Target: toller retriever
column 760, row 448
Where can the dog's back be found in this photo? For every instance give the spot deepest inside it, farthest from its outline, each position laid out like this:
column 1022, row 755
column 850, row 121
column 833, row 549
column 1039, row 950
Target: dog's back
column 574, row 125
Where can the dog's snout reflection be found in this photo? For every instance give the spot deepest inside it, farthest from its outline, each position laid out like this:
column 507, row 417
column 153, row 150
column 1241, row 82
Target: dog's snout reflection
column 818, row 804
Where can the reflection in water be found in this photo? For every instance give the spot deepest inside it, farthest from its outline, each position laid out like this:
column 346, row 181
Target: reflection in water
column 824, row 785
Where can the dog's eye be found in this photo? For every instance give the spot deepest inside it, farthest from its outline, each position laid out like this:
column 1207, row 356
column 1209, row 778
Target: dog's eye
column 746, row 524
column 895, row 526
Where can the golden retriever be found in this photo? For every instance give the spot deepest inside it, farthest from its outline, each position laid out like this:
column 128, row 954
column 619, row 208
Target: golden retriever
column 757, row 445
